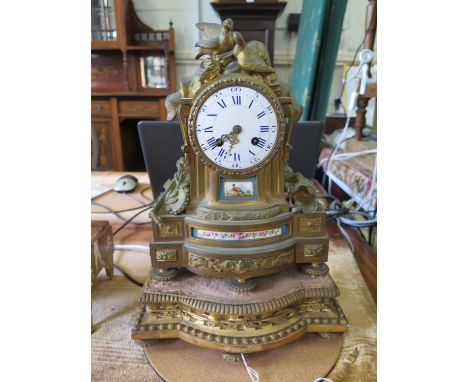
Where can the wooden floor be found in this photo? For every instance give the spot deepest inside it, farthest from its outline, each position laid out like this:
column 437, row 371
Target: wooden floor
column 364, row 254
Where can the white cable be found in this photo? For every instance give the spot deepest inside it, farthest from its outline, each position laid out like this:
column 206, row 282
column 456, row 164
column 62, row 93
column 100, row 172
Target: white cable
column 340, row 139
column 356, row 73
column 322, row 379
column 357, row 223
column 352, row 154
column 362, row 69
column 346, row 236
column 251, row 372
column 370, row 195
column 364, row 78
column 348, row 155
column 367, row 201
column 352, row 101
column 342, row 135
column 131, row 247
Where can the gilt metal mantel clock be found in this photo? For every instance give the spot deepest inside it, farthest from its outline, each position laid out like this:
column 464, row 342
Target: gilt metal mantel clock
column 235, row 211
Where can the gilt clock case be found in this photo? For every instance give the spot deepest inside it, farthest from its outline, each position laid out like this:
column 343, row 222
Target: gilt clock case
column 235, row 212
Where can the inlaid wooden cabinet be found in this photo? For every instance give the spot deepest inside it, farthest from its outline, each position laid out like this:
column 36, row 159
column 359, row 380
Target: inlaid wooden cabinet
column 105, row 155
column 132, row 72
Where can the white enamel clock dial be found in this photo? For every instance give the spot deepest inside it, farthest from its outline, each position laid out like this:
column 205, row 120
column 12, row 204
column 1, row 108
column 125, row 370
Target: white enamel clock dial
column 236, row 127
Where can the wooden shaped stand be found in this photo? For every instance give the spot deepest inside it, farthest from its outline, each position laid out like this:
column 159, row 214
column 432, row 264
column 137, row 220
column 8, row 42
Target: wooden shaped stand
column 304, row 360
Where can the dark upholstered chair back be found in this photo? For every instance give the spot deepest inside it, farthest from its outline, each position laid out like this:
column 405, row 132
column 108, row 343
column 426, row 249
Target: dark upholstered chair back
column 161, row 145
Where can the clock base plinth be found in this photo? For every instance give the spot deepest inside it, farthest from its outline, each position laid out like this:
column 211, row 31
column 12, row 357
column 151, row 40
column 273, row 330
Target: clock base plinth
column 205, row 312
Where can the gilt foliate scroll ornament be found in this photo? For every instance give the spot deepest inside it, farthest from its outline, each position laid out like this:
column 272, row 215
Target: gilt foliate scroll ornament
column 166, row 254
column 176, row 195
column 240, row 266
column 310, row 224
column 314, row 250
column 233, row 215
column 302, row 191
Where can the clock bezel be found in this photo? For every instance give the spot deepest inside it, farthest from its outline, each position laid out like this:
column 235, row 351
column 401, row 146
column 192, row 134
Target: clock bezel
column 230, row 80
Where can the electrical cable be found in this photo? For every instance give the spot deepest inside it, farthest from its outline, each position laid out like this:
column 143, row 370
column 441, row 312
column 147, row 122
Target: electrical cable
column 370, row 193
column 116, row 214
column 348, row 155
column 126, row 222
column 254, row 377
column 108, row 209
column 340, row 214
column 357, row 223
column 131, row 247
column 142, row 194
column 116, row 211
column 352, row 154
column 130, row 219
column 338, row 217
column 338, row 143
column 362, row 233
column 342, row 138
column 124, row 246
column 340, row 101
column 371, row 229
column 128, row 276
column 348, row 118
column 325, row 167
column 350, row 66
column 346, row 236
column 132, row 197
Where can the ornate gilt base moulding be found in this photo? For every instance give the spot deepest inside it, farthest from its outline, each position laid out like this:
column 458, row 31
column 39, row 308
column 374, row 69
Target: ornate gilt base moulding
column 203, row 311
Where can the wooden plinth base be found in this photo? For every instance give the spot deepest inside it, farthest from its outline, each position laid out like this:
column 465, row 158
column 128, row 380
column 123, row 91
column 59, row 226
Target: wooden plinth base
column 304, row 360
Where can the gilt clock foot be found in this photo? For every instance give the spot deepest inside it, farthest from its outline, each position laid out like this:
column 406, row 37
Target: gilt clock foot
column 145, row 343
column 241, row 285
column 161, row 274
column 231, row 357
column 316, row 269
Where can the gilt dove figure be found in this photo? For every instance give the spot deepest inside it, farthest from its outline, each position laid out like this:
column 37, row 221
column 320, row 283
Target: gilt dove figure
column 219, row 39
column 253, row 57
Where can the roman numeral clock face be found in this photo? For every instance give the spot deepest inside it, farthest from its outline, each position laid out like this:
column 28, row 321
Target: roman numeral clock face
column 236, row 128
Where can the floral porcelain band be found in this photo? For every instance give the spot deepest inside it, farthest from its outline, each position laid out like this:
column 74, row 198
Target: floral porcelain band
column 253, row 235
